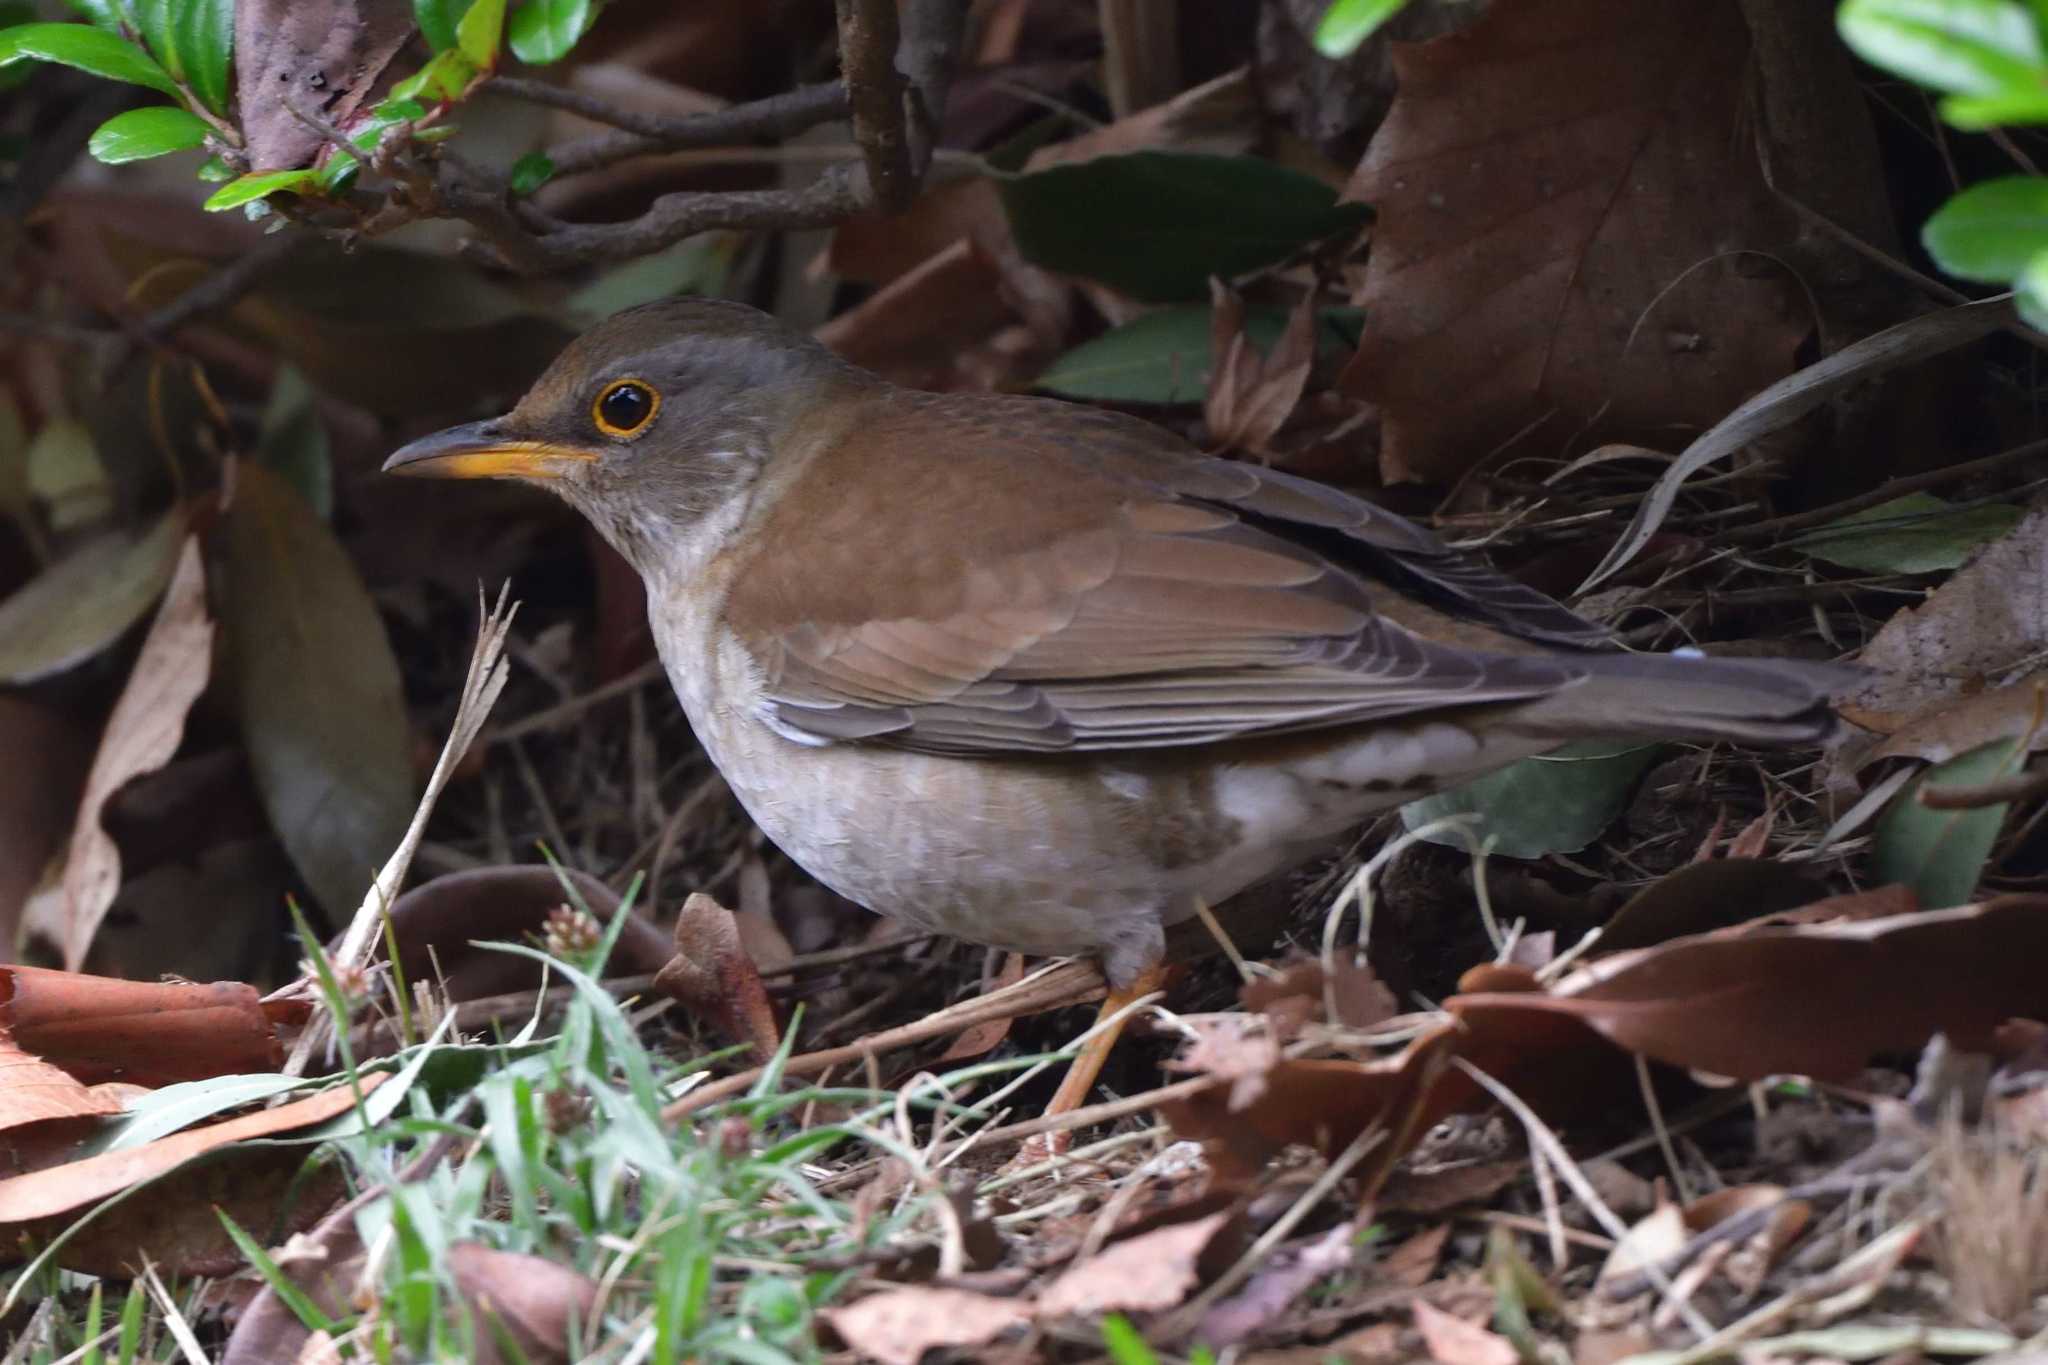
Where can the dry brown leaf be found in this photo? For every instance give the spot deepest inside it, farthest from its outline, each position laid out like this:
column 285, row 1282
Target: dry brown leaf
column 1143, row 1274
column 46, row 765
column 712, row 974
column 1411, row 1264
column 1986, row 627
column 530, row 1298
column 1703, row 896
column 1448, row 1187
column 1250, row 396
column 146, row 726
column 1572, row 235
column 1275, row 1286
column 897, row 1326
column 145, row 1032
column 32, row 1090
column 326, row 56
column 1237, row 1048
column 1454, row 1341
column 1949, row 728
column 1301, row 992
column 60, row 1189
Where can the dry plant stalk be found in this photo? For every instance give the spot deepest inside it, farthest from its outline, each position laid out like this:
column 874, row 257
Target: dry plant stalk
column 1990, row 1237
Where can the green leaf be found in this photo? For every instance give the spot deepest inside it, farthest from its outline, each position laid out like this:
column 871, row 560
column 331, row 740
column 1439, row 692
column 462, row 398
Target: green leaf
column 1941, row 853
column 696, row 265
column 2030, row 293
column 253, row 186
column 530, row 172
column 437, row 20
column 85, row 601
column 442, row 79
column 1990, row 231
column 479, row 32
column 143, row 133
column 1557, row 803
column 1157, row 225
column 1918, row 533
column 1963, row 47
column 214, row 171
column 104, row 14
column 1975, row 113
column 1348, row 23
column 91, row 50
column 316, row 689
column 293, row 441
column 1163, row 357
column 543, row 31
column 204, row 34
column 1126, row 1346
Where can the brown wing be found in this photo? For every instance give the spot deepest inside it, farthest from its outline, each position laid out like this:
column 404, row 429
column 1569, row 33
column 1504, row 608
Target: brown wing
column 1080, row 580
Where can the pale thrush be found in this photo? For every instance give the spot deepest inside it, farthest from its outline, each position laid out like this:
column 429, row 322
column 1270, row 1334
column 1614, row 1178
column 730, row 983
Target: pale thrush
column 1039, row 675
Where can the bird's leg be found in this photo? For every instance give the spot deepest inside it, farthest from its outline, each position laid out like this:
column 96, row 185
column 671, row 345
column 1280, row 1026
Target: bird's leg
column 1088, row 1062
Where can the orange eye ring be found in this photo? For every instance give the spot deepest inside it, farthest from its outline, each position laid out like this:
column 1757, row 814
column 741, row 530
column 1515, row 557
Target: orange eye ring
column 625, row 409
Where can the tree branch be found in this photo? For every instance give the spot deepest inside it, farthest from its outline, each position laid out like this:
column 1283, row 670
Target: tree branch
column 868, row 39
column 777, row 116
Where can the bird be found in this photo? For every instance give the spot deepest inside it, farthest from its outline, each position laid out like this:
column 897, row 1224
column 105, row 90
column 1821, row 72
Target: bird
column 1041, row 675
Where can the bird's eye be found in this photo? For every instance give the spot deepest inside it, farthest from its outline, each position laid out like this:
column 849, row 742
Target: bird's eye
column 625, row 408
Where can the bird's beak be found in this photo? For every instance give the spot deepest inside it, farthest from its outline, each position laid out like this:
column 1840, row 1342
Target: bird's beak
column 483, row 450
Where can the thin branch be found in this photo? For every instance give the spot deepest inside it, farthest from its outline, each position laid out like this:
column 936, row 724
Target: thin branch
column 1889, row 491
column 220, row 289
column 778, row 116
column 1999, row 791
column 868, row 38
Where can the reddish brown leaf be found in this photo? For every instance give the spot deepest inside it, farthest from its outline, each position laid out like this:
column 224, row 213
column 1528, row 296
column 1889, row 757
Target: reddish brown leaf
column 712, row 974
column 146, row 726
column 33, row 1091
column 1152, row 1271
column 897, row 1326
column 1572, row 235
column 1251, row 396
column 530, row 1298
column 1454, row 1341
column 148, row 1032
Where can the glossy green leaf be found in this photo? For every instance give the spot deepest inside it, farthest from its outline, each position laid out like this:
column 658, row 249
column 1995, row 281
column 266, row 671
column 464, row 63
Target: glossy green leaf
column 204, row 32
column 1974, row 113
column 316, row 689
column 2030, row 293
column 104, row 14
column 530, row 172
column 1918, row 533
column 215, row 171
column 480, row 31
column 293, row 441
column 1990, row 231
column 1163, row 357
column 1348, row 23
column 437, row 20
column 1157, row 225
column 1558, row 803
column 143, row 133
column 1941, row 853
column 543, row 31
column 88, row 49
column 85, row 601
column 253, row 186
column 1964, row 47
column 443, row 78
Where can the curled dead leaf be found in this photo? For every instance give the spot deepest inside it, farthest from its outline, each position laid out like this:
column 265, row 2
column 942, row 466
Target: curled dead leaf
column 529, row 1299
column 1147, row 1273
column 713, row 974
column 897, row 1326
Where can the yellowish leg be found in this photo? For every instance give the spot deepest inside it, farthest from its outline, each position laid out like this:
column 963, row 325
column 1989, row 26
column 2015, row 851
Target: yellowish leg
column 1087, row 1065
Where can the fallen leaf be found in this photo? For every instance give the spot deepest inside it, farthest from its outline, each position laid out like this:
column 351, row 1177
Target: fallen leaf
column 1236, row 1048
column 712, row 974
column 47, row 758
column 1275, row 1286
column 913, row 329
column 897, row 1326
column 144, row 730
column 1558, row 802
column 1454, row 1341
column 326, row 55
column 1941, row 854
column 1918, row 533
column 1250, row 396
column 148, row 1032
column 1411, row 1264
column 33, row 1091
column 60, row 1189
column 1302, row 992
column 1986, row 627
column 532, row 1299
column 317, row 690
column 1952, row 727
column 1700, row 897
column 1430, row 1192
column 1570, row 235
column 1143, row 1274
column 86, row 600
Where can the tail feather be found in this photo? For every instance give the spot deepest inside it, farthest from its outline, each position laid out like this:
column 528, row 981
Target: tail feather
column 1673, row 696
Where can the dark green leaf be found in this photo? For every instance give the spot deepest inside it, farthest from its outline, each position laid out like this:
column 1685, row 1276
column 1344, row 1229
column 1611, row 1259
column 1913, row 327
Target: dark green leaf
column 317, row 690
column 254, row 186
column 104, row 14
column 143, row 133
column 1964, row 47
column 1158, row 224
column 437, row 20
column 1163, row 357
column 1941, row 853
column 1558, row 803
column 1348, row 23
column 1918, row 533
column 543, row 31
column 480, row 31
column 85, row 601
column 203, row 32
column 293, row 441
column 1990, row 231
column 88, row 49
column 530, row 172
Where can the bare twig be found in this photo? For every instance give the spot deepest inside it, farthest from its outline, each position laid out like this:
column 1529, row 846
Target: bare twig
column 1890, row 490
column 1997, row 792
column 833, row 197
column 642, row 134
column 868, row 38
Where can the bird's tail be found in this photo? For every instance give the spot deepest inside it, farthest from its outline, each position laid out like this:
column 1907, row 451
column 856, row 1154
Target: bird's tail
column 1686, row 696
